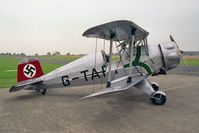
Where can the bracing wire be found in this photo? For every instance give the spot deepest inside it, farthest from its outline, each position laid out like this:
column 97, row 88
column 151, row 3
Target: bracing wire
column 104, row 45
column 95, row 64
column 104, row 51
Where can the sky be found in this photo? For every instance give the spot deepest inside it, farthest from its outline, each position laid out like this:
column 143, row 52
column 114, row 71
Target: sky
column 41, row 26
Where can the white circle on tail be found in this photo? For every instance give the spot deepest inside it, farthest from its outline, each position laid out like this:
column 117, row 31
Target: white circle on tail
column 29, row 70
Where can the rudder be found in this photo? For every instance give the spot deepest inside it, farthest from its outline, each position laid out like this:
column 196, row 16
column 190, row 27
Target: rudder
column 29, row 69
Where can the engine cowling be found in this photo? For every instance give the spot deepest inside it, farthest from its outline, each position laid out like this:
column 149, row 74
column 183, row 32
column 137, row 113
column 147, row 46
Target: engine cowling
column 170, row 55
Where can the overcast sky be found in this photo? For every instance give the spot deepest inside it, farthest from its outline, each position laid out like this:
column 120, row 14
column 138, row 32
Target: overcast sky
column 41, row 26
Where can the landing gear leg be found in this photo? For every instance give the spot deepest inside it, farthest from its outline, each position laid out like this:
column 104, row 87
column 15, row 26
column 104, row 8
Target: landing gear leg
column 43, row 92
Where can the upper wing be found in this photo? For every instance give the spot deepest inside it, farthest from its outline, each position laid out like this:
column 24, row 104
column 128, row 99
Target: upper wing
column 118, row 85
column 122, row 30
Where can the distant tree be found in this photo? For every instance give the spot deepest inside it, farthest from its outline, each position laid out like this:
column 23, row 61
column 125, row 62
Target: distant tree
column 68, row 53
column 36, row 54
column 48, row 54
column 23, row 54
column 56, row 53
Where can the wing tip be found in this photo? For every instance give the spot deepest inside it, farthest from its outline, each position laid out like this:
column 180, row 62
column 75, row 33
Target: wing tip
column 88, row 96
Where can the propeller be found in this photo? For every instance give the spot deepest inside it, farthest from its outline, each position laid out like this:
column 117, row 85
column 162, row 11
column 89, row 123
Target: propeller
column 180, row 53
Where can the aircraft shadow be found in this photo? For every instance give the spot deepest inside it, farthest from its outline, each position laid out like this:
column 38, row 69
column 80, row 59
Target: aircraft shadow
column 50, row 93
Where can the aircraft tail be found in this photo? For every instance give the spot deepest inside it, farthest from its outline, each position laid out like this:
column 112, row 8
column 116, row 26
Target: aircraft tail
column 29, row 69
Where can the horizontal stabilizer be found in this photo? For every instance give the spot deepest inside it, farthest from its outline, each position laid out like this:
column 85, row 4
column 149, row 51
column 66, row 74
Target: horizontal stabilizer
column 26, row 85
column 122, row 85
column 15, row 88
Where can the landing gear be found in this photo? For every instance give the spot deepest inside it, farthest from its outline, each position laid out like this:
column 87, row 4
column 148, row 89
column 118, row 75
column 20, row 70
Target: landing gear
column 43, row 92
column 158, row 98
column 155, row 86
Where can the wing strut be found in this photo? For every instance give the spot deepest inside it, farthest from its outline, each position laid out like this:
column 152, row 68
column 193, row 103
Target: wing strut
column 112, row 35
column 131, row 45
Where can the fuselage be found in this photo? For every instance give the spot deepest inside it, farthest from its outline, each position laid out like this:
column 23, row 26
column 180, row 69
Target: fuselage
column 92, row 69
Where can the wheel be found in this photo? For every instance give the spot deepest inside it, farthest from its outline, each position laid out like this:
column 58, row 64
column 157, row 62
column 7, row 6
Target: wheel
column 155, row 86
column 43, row 92
column 158, row 99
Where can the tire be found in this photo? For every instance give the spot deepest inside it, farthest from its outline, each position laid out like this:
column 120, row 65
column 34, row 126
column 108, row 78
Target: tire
column 158, row 99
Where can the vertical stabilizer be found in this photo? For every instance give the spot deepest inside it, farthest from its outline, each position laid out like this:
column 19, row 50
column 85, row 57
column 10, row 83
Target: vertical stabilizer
column 29, row 69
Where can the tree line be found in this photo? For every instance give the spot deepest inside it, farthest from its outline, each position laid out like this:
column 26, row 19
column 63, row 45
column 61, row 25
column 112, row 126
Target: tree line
column 56, row 53
column 12, row 54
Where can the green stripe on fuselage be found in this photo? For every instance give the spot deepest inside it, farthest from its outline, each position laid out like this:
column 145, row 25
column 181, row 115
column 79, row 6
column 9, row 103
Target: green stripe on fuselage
column 137, row 63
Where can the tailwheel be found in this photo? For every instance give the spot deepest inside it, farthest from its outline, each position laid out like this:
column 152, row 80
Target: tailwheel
column 43, row 92
column 155, row 86
column 158, row 98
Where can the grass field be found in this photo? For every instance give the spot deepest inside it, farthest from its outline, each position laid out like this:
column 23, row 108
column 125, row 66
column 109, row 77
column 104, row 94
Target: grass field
column 191, row 60
column 61, row 57
column 8, row 67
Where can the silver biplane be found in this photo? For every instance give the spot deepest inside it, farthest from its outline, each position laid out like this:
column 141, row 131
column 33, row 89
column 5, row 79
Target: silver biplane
column 138, row 60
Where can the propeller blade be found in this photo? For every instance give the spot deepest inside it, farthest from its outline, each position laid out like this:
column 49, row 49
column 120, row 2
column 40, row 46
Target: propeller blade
column 171, row 38
column 186, row 66
column 181, row 54
column 179, row 51
column 184, row 60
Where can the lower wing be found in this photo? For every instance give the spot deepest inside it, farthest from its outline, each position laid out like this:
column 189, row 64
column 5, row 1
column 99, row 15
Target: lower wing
column 118, row 85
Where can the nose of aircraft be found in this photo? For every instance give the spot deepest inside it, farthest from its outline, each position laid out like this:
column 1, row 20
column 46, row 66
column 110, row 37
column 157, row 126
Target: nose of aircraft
column 171, row 55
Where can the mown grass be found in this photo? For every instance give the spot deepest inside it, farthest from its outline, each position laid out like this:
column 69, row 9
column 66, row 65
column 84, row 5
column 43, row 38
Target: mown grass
column 48, row 67
column 192, row 62
column 60, row 57
column 8, row 70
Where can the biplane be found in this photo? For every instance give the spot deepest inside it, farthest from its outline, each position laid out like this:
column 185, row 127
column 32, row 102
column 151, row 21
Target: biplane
column 138, row 60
